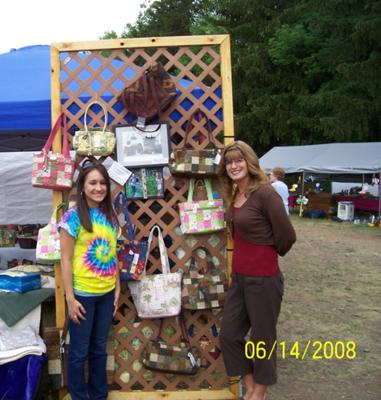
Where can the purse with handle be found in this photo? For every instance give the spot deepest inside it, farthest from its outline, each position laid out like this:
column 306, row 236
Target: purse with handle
column 192, row 162
column 151, row 93
column 94, row 141
column 173, row 359
column 201, row 216
column 48, row 250
column 131, row 253
column 157, row 295
column 53, row 170
column 203, row 288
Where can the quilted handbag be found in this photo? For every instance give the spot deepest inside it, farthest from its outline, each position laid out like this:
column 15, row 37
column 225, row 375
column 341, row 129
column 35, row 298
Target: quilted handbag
column 203, row 288
column 48, row 250
column 173, row 359
column 53, row 170
column 94, row 141
column 201, row 216
column 192, row 162
column 151, row 93
column 131, row 253
column 157, row 295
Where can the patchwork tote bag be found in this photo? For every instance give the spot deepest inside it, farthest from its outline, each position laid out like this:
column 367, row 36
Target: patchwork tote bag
column 157, row 295
column 54, row 170
column 201, row 216
column 203, row 288
column 48, row 249
column 131, row 253
column 94, row 141
column 193, row 162
column 150, row 94
column 173, row 359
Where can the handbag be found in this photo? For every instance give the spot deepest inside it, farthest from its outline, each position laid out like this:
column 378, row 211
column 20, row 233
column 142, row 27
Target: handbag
column 157, row 295
column 203, row 288
column 54, row 170
column 48, row 249
column 150, row 94
column 162, row 357
column 131, row 253
column 94, row 141
column 201, row 216
column 192, row 162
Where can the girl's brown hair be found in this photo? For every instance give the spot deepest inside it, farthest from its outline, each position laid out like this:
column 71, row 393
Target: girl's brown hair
column 82, row 206
column 235, row 151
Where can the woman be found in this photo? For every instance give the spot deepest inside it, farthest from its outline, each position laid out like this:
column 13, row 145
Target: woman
column 261, row 230
column 88, row 235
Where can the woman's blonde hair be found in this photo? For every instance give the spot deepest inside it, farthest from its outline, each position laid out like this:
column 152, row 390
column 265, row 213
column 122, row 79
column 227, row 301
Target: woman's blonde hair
column 235, row 151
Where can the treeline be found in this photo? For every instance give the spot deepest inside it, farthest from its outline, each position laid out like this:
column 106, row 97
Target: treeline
column 304, row 71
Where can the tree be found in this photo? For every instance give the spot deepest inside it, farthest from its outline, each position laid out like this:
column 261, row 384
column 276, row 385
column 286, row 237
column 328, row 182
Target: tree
column 303, row 71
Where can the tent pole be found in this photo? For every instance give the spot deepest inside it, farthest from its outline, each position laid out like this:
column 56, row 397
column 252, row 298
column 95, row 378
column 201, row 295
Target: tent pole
column 302, row 194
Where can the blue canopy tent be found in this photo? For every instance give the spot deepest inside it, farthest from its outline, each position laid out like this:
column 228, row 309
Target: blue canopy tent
column 25, row 105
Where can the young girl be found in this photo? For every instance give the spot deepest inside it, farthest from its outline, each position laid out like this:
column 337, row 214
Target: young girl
column 88, row 234
column 261, row 230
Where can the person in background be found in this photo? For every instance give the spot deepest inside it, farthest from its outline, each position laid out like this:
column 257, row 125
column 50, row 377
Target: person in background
column 88, row 234
column 276, row 177
column 261, row 230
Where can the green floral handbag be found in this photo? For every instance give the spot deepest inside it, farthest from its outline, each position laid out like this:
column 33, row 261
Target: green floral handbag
column 94, row 141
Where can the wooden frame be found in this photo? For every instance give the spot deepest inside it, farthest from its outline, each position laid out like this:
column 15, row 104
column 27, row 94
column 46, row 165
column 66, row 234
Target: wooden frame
column 219, row 47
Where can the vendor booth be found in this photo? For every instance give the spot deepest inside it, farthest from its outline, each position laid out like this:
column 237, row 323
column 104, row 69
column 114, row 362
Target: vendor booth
column 341, row 162
column 86, row 82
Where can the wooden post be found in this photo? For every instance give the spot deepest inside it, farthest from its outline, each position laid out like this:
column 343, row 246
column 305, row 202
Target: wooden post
column 57, row 196
column 302, row 194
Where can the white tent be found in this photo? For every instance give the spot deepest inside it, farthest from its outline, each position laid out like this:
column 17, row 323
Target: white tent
column 334, row 159
column 20, row 202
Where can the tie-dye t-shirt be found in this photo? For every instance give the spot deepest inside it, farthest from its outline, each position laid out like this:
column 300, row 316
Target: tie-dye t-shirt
column 94, row 258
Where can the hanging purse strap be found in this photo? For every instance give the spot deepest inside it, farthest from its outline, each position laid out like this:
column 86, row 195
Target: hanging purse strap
column 200, row 115
column 162, row 249
column 53, row 218
column 104, row 111
column 122, row 198
column 60, row 123
column 184, row 337
column 63, row 336
column 207, row 185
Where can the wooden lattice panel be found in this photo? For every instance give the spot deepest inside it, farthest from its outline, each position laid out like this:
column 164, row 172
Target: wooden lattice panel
column 196, row 70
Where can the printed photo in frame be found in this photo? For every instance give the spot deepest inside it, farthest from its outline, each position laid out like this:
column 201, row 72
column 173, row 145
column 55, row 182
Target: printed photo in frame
column 136, row 147
column 145, row 183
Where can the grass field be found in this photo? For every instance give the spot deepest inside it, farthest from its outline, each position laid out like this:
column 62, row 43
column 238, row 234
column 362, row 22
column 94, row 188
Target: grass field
column 332, row 294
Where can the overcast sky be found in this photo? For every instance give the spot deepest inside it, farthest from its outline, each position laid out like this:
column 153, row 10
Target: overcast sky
column 31, row 22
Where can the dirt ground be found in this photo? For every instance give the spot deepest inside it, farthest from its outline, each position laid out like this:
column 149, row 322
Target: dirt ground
column 332, row 293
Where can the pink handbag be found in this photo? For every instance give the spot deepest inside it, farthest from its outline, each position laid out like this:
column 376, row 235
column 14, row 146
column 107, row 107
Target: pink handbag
column 202, row 216
column 54, row 170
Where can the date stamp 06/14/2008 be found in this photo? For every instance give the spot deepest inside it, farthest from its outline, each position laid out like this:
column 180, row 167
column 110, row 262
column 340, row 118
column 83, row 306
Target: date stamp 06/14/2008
column 314, row 349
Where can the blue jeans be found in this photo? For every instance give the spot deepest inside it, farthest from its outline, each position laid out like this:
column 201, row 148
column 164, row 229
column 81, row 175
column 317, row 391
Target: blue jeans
column 88, row 341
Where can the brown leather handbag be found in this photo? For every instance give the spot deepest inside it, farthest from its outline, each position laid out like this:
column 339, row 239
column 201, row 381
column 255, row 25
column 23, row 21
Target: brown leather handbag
column 153, row 92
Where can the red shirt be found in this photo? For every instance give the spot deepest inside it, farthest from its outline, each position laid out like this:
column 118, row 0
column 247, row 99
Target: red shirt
column 253, row 259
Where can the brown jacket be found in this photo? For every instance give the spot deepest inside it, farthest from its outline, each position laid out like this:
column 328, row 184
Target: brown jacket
column 263, row 220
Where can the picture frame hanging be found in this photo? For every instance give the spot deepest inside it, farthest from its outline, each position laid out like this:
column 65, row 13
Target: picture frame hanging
column 145, row 183
column 148, row 147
